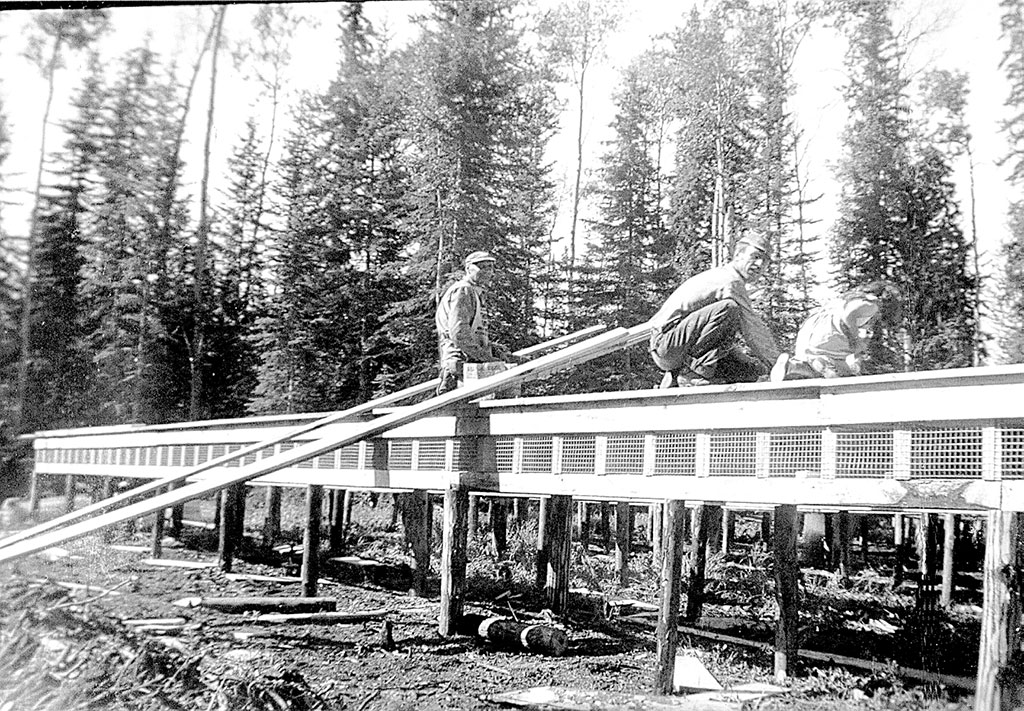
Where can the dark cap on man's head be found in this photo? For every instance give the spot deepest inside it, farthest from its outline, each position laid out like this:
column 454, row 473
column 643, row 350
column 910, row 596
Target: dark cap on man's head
column 477, row 257
column 757, row 242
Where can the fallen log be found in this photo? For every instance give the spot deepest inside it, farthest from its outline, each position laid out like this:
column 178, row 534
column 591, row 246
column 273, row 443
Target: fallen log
column 506, row 633
column 552, row 698
column 320, row 618
column 262, row 604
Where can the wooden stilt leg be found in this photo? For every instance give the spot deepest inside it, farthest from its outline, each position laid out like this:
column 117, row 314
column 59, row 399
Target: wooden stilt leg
column 865, row 525
column 33, row 492
column 70, row 486
column 499, row 526
column 948, row 540
column 1001, row 613
column 842, row 533
column 704, row 517
column 157, row 547
column 239, row 492
column 272, row 518
column 559, row 538
column 226, row 541
column 899, row 561
column 728, row 529
column 416, row 522
column 177, row 515
column 453, row 558
column 311, row 540
column 542, row 543
column 606, row 527
column 106, row 491
column 657, row 532
column 787, row 591
column 623, row 540
column 337, row 526
column 671, row 582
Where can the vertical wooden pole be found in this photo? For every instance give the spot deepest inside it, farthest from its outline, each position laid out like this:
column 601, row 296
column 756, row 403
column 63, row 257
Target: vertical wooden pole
column 106, row 491
column 815, row 539
column 1001, row 613
column 657, row 532
column 865, row 526
column 841, row 535
column 623, row 540
column 584, row 513
column 157, row 540
column 559, row 540
column 272, row 518
column 728, row 529
column 336, row 530
column 542, row 543
column 177, row 515
column 899, row 553
column 453, row 557
column 70, row 486
column 499, row 526
column 948, row 541
column 766, row 528
column 33, row 492
column 714, row 529
column 311, row 540
column 473, row 522
column 606, row 526
column 704, row 518
column 671, row 583
column 225, row 529
column 239, row 492
column 787, row 590
column 417, row 523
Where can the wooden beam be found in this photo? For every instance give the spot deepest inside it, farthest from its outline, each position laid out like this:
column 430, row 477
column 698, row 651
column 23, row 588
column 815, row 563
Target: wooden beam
column 272, row 517
column 623, row 540
column 787, row 590
column 949, row 522
column 36, row 539
column 671, row 580
column 453, row 558
column 705, row 518
column 1001, row 613
column 417, row 523
column 311, row 540
column 558, row 537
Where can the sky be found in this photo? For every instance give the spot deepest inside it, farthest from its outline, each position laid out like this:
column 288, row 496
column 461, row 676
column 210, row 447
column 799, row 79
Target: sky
column 961, row 35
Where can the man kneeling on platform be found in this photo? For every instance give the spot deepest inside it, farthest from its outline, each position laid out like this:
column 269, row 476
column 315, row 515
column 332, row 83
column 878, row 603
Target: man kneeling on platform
column 694, row 333
column 461, row 319
column 829, row 344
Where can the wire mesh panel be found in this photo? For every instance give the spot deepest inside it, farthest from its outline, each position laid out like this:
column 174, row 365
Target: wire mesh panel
column 793, row 451
column 400, row 455
column 624, row 454
column 945, row 452
column 578, row 454
column 864, row 454
column 503, row 451
column 432, row 455
column 464, row 454
column 176, row 455
column 675, row 453
column 348, row 456
column 237, row 461
column 189, row 455
column 249, row 458
column 537, row 455
column 326, row 461
column 1011, row 452
column 733, row 453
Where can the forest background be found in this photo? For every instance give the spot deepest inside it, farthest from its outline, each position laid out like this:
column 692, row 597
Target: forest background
column 245, row 227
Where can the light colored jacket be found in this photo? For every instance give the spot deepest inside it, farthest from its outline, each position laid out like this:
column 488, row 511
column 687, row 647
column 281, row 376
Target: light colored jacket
column 461, row 320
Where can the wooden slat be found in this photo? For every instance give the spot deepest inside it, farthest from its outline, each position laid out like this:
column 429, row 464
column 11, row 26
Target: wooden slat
column 363, row 409
column 33, row 540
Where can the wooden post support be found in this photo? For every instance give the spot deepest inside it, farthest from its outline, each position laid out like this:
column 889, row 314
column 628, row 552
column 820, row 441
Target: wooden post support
column 842, row 532
column 815, row 539
column 559, row 540
column 453, row 557
column 157, row 547
column 473, row 521
column 766, row 528
column 714, row 528
column 671, row 582
column 70, row 486
column 584, row 515
column 1001, row 611
column 272, row 518
column 704, row 519
column 336, row 529
column 177, row 514
column 311, row 539
column 728, row 529
column 899, row 560
column 106, row 491
column 606, row 526
column 623, row 540
column 865, row 527
column 948, row 541
column 33, row 492
column 416, row 523
column 542, row 543
column 657, row 531
column 787, row 590
column 225, row 530
column 239, row 492
column 499, row 526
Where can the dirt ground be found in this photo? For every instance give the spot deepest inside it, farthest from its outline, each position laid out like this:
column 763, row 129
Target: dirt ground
column 66, row 647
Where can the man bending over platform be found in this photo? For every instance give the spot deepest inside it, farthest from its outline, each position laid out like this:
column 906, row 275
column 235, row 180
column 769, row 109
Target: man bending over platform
column 461, row 320
column 829, row 344
column 694, row 333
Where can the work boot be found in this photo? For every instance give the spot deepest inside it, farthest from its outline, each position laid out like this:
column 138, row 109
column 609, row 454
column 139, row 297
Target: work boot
column 449, row 381
column 668, row 380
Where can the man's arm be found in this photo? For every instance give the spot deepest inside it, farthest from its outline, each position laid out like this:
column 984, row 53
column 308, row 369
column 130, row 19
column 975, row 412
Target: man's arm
column 754, row 330
column 460, row 325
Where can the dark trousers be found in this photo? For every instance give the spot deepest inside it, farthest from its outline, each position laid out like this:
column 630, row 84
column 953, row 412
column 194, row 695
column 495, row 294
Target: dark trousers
column 705, row 343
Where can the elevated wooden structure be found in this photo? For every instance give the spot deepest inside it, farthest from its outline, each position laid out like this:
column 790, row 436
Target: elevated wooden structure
column 950, row 441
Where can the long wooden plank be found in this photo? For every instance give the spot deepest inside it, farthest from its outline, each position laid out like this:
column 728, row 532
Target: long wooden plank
column 573, row 355
column 365, row 408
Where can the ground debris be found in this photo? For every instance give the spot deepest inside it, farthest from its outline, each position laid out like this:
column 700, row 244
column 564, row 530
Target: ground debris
column 551, row 698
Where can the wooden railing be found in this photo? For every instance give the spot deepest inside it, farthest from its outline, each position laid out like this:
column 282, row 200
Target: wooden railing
column 951, row 440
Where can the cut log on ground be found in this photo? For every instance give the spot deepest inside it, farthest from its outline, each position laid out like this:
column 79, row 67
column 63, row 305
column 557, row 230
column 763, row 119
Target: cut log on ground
column 506, row 633
column 262, row 604
column 551, row 698
column 320, row 618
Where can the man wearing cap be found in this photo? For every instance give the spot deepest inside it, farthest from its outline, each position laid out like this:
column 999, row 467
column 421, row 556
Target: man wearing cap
column 461, row 320
column 693, row 335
